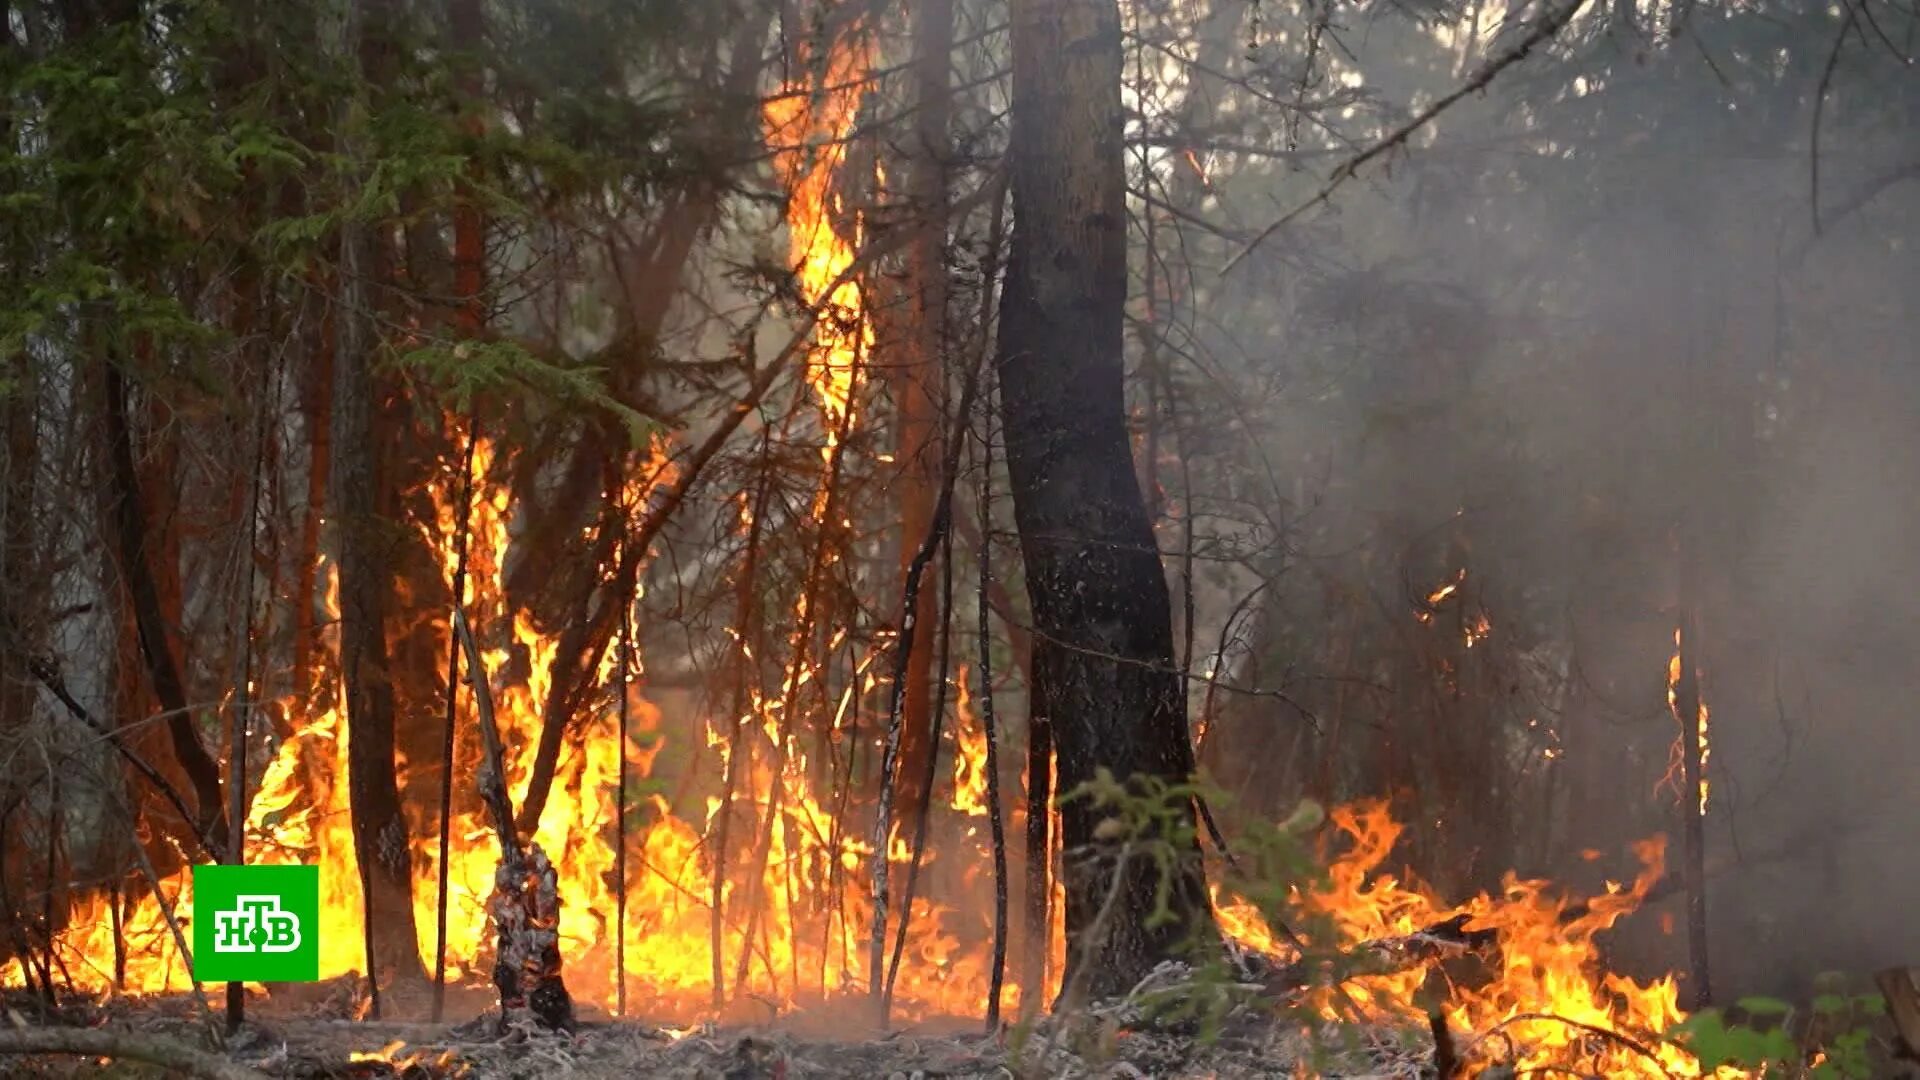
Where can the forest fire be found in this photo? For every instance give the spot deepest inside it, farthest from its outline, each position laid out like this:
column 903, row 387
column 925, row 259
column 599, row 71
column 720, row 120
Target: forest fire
column 821, row 538
column 1549, row 997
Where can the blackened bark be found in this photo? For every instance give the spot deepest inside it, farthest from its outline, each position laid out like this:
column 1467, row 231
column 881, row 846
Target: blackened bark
column 1103, row 646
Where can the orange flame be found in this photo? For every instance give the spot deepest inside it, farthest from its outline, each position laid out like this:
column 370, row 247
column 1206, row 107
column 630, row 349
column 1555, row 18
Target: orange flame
column 1674, row 778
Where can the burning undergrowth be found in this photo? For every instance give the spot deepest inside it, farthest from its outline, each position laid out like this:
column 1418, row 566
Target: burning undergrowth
column 1517, row 979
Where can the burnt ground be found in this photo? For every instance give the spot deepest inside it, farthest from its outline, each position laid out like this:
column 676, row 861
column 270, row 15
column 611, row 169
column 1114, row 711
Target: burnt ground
column 308, row 1044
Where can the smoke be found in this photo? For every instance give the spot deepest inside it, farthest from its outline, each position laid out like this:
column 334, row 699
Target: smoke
column 1584, row 344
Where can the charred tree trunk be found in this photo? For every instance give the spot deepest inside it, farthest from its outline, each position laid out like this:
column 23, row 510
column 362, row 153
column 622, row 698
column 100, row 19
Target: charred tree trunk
column 365, row 539
column 1103, row 647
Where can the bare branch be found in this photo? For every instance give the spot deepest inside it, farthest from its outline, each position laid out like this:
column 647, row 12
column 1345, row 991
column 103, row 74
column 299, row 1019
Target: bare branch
column 1543, row 30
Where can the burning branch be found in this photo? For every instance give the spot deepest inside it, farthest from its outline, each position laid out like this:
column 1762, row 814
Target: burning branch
column 1683, row 695
column 597, row 633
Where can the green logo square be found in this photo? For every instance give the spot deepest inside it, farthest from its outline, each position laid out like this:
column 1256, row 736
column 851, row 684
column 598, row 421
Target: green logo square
column 256, row 923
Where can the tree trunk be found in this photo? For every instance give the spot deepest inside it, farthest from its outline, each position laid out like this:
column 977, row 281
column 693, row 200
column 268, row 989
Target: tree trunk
column 919, row 381
column 317, row 407
column 131, row 531
column 365, row 542
column 1103, row 650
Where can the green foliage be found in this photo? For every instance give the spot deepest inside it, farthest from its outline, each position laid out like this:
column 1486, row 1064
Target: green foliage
column 1832, row 1042
column 462, row 370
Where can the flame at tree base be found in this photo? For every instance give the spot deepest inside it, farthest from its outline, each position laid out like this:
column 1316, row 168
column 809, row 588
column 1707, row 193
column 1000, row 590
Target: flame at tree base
column 1545, row 992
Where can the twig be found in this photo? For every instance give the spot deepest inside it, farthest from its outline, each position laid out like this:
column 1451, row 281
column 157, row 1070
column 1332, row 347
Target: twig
column 242, row 704
column 620, row 816
column 1852, row 204
column 1074, row 991
column 153, row 1049
column 937, row 530
column 832, row 490
column 1543, row 29
column 173, row 925
column 1688, row 710
column 748, row 601
column 49, row 677
column 1597, row 1032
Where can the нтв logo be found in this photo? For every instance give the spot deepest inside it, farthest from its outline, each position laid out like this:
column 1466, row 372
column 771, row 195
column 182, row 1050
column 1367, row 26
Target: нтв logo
column 256, row 923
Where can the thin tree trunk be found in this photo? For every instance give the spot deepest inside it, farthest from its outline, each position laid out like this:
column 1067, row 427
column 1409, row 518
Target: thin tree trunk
column 919, row 380
column 364, row 542
column 1103, row 647
column 1687, row 709
column 318, row 408
column 131, row 529
column 996, row 820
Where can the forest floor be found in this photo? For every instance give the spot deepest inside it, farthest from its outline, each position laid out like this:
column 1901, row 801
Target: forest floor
column 310, row 1045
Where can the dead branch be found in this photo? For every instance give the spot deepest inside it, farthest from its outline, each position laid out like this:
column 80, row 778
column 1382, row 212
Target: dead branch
column 1544, row 28
column 453, row 700
column 152, row 1049
column 49, row 677
column 1600, row 1033
column 890, row 757
column 492, row 780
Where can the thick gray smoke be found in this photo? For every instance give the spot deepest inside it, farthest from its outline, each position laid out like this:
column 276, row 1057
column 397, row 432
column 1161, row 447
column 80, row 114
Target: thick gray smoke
column 1585, row 343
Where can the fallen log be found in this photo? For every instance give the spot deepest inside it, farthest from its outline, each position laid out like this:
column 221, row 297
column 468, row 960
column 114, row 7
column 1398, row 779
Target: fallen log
column 151, row 1049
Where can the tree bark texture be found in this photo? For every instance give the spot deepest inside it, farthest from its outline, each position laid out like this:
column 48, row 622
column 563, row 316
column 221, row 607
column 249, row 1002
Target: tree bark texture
column 919, row 380
column 1103, row 641
column 365, row 541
